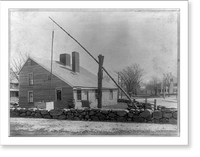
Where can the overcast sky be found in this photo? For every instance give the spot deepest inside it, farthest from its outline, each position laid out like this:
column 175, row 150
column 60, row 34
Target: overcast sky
column 124, row 37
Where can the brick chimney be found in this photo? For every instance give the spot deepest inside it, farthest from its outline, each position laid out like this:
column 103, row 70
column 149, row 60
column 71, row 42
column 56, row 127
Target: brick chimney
column 65, row 59
column 75, row 62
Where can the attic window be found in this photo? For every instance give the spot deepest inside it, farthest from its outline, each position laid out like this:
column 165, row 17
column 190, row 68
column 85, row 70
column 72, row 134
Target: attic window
column 30, row 79
column 29, row 62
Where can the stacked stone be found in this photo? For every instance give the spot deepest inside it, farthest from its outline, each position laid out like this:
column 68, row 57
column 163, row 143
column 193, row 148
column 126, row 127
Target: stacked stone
column 165, row 116
column 94, row 114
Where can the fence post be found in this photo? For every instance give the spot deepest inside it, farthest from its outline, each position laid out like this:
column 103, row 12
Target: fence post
column 154, row 104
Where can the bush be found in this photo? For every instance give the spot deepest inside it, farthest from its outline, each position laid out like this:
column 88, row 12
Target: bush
column 71, row 103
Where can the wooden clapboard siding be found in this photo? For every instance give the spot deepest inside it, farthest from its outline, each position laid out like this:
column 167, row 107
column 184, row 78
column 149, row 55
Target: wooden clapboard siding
column 42, row 91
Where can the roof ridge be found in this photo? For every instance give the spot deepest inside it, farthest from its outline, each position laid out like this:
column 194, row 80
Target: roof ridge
column 84, row 78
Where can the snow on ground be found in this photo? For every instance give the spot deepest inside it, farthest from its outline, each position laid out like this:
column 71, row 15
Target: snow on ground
column 52, row 127
column 169, row 102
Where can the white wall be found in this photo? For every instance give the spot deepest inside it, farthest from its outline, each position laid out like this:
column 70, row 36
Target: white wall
column 105, row 98
column 78, row 103
column 106, row 101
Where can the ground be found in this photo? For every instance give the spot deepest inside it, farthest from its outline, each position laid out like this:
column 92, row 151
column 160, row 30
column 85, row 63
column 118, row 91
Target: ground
column 169, row 102
column 52, row 127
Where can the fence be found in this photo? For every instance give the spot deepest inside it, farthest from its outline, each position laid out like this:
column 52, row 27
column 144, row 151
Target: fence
column 167, row 115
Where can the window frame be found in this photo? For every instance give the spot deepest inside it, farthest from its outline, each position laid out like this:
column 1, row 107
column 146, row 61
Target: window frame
column 29, row 62
column 111, row 94
column 29, row 97
column 87, row 95
column 59, row 88
column 29, row 82
column 79, row 94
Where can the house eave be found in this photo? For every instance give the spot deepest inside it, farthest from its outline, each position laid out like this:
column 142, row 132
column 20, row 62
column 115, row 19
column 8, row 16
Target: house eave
column 92, row 88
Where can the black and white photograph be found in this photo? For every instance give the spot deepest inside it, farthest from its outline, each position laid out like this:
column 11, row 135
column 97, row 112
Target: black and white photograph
column 94, row 72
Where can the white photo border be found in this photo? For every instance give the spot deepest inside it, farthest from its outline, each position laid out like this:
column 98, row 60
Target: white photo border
column 4, row 80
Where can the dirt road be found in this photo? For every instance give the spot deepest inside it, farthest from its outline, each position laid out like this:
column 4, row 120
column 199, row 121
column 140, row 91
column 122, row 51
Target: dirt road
column 52, row 127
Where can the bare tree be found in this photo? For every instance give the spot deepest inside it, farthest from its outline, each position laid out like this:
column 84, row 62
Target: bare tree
column 131, row 77
column 149, row 87
column 17, row 62
column 153, row 85
column 166, row 83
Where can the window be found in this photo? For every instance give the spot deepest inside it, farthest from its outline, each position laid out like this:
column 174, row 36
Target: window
column 96, row 93
column 29, row 62
column 87, row 95
column 111, row 94
column 30, row 79
column 30, row 96
column 58, row 94
column 78, row 94
column 175, row 84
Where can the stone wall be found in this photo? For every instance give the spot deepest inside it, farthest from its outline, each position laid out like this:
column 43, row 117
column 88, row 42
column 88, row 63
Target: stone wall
column 92, row 114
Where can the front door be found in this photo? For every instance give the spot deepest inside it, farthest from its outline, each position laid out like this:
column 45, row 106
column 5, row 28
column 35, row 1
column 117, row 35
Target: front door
column 86, row 97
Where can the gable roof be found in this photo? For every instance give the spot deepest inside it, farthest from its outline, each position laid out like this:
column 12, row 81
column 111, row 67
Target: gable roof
column 84, row 78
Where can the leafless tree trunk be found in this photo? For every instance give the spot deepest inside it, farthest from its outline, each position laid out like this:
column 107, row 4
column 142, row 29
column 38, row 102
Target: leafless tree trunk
column 153, row 84
column 167, row 83
column 131, row 77
column 17, row 63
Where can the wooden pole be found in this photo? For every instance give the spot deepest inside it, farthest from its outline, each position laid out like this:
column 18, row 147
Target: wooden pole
column 121, row 86
column 51, row 65
column 154, row 104
column 95, row 61
column 118, row 83
column 145, row 101
column 100, row 77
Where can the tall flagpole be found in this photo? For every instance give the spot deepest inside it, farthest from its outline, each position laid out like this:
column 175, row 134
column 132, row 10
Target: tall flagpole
column 51, row 65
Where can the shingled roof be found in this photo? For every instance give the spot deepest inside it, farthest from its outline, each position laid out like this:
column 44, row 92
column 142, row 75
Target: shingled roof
column 83, row 79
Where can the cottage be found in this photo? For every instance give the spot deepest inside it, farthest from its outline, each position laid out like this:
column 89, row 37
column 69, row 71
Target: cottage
column 69, row 82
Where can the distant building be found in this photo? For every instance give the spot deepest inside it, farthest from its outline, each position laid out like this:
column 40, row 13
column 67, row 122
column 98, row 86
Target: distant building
column 14, row 89
column 172, row 89
column 70, row 82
